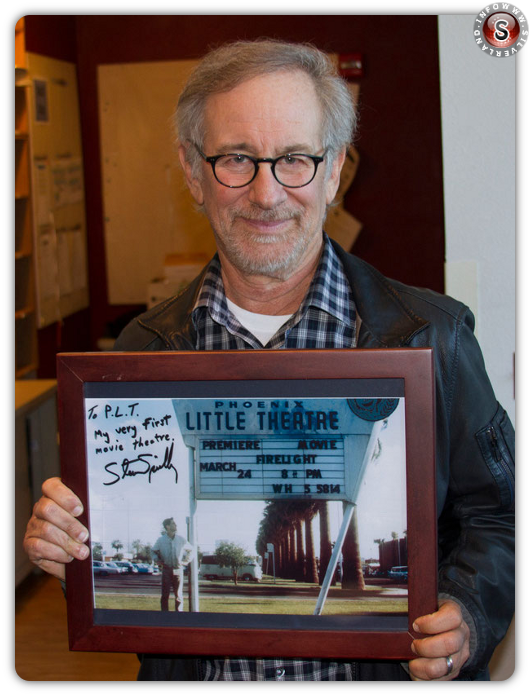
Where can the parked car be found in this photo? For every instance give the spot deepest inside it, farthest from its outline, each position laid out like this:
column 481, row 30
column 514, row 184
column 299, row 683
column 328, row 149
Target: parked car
column 399, row 573
column 144, row 568
column 129, row 567
column 211, row 570
column 105, row 568
column 114, row 564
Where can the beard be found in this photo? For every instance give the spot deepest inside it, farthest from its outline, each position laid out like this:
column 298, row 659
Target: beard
column 276, row 254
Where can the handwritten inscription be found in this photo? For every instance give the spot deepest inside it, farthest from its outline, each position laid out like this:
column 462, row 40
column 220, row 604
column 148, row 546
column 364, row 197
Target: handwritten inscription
column 141, row 466
column 131, row 440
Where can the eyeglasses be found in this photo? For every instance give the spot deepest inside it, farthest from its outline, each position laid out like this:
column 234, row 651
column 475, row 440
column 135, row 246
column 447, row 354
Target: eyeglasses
column 292, row 170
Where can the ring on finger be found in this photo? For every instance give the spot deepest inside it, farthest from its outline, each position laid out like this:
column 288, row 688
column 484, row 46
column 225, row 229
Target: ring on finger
column 450, row 664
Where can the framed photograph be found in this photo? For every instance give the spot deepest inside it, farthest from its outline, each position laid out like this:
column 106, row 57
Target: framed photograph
column 256, row 503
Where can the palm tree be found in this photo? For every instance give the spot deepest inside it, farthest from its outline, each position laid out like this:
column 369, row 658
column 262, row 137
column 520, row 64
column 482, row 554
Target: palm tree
column 137, row 546
column 325, row 538
column 300, row 555
column 352, row 569
column 311, row 573
column 282, row 525
column 116, row 544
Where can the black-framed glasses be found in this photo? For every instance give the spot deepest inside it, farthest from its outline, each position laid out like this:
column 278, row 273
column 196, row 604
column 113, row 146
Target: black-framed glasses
column 235, row 170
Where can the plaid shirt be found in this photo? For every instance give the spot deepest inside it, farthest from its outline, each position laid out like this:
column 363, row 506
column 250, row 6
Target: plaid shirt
column 243, row 669
column 325, row 319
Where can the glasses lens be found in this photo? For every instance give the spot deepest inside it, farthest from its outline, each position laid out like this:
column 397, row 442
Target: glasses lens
column 239, row 170
column 295, row 170
column 234, row 170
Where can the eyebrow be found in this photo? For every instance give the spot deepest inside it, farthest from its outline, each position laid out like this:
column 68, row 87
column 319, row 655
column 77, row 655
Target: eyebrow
column 236, row 148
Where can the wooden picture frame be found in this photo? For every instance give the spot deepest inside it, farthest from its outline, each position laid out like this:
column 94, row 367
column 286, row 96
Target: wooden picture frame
column 110, row 407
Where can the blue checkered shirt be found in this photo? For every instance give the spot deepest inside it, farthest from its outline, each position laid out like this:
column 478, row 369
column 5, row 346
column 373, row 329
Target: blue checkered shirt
column 325, row 319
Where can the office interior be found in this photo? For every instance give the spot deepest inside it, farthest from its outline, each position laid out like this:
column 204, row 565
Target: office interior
column 104, row 227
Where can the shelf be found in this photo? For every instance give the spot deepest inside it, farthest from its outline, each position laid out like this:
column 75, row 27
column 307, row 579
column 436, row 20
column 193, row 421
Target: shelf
column 26, row 350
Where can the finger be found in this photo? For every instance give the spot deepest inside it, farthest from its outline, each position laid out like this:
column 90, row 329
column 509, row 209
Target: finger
column 55, row 569
column 42, row 536
column 50, row 547
column 423, row 669
column 50, row 557
column 55, row 489
column 40, row 552
column 446, row 618
column 49, row 511
column 434, row 650
column 440, row 645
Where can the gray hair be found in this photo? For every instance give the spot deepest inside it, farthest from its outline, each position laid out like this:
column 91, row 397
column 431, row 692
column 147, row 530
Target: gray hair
column 230, row 65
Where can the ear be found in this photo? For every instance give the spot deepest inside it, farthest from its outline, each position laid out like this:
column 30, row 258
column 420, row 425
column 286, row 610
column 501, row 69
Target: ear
column 333, row 181
column 193, row 183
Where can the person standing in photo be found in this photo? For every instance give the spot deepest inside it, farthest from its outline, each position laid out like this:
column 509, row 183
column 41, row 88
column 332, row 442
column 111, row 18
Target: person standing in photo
column 173, row 553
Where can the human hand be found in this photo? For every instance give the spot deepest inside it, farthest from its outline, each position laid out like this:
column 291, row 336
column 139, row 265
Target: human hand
column 54, row 536
column 448, row 637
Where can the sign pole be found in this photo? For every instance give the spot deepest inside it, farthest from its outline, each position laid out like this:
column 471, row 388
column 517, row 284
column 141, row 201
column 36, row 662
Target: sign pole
column 270, row 550
column 337, row 549
column 194, row 565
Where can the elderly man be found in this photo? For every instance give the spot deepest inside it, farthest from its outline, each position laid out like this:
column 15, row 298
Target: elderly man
column 263, row 130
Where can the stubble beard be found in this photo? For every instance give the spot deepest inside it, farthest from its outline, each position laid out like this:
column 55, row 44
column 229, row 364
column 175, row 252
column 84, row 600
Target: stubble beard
column 275, row 255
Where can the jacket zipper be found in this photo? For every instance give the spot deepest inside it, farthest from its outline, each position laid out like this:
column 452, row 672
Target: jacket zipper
column 496, row 451
column 494, row 443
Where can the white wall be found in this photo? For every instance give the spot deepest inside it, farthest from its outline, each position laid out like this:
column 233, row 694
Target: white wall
column 478, row 130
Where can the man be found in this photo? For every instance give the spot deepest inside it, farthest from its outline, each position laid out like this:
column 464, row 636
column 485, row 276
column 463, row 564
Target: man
column 173, row 553
column 263, row 130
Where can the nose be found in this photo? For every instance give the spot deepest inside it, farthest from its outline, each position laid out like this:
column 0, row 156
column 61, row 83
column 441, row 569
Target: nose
column 265, row 191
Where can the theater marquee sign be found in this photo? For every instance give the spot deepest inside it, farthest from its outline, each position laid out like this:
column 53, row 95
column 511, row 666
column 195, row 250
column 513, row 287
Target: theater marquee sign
column 266, row 449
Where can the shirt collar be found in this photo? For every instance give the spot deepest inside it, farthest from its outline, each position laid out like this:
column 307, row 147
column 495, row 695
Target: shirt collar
column 329, row 290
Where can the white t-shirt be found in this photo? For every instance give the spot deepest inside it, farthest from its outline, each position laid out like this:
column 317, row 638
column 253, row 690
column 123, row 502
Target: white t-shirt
column 262, row 326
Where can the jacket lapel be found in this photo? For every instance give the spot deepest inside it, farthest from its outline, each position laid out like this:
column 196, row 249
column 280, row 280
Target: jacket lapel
column 387, row 320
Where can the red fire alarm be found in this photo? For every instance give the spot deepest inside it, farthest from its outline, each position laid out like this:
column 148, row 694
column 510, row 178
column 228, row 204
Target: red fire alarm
column 350, row 65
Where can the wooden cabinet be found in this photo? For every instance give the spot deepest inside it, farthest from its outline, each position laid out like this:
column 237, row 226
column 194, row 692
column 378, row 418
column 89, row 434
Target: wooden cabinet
column 36, row 455
column 25, row 316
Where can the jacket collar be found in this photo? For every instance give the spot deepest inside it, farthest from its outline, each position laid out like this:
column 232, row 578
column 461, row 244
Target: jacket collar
column 171, row 320
column 387, row 320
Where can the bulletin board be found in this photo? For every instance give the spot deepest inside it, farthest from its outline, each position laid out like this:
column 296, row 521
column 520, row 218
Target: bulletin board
column 148, row 210
column 58, row 190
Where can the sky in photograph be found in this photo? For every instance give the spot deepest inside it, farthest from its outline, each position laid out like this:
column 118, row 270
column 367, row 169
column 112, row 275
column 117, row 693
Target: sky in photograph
column 132, row 506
